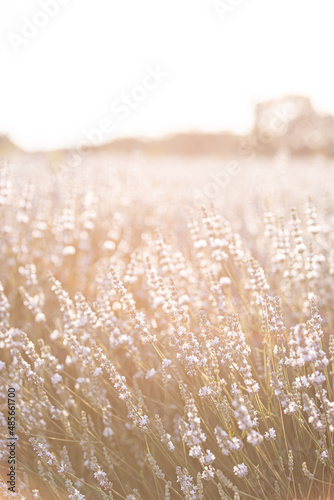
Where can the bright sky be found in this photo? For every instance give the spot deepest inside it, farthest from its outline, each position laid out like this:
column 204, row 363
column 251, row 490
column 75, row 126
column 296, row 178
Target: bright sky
column 150, row 67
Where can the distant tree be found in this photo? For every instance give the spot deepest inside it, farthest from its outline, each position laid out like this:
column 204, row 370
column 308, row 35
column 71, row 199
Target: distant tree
column 6, row 145
column 292, row 122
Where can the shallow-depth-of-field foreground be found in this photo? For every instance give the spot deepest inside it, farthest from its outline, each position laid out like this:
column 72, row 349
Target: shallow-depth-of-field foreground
column 167, row 327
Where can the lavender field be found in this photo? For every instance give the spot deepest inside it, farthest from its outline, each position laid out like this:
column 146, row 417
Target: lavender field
column 167, row 326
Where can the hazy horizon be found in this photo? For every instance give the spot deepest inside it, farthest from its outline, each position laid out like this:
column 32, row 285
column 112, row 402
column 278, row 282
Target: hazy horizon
column 151, row 69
